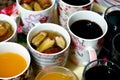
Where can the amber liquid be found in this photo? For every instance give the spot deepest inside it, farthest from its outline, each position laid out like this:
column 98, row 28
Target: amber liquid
column 11, row 64
column 56, row 76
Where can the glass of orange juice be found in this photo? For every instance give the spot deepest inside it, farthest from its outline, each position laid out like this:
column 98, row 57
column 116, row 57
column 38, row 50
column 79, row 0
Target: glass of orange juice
column 56, row 73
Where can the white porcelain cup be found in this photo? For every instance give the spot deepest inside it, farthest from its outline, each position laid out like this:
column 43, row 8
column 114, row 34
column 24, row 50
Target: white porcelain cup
column 52, row 59
column 66, row 9
column 85, row 50
column 28, row 17
column 17, row 49
column 11, row 21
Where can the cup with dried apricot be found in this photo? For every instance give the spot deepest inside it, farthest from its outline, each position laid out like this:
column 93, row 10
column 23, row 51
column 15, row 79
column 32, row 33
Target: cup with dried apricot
column 8, row 28
column 35, row 11
column 49, row 44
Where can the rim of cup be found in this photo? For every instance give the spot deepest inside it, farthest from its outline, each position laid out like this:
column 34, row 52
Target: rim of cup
column 94, row 62
column 53, row 4
column 113, row 42
column 90, row 14
column 110, row 9
column 9, row 20
column 52, row 26
column 29, row 60
column 71, row 73
column 112, row 2
column 91, row 1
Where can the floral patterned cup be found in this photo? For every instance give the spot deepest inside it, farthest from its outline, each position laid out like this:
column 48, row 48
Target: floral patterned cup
column 86, row 49
column 44, row 59
column 65, row 10
column 28, row 17
column 10, row 20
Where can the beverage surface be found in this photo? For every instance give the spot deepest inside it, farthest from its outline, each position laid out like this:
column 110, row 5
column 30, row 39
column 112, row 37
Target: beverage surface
column 77, row 2
column 102, row 72
column 86, row 29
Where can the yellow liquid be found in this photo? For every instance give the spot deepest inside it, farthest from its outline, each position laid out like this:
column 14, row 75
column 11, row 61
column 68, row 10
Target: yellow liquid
column 56, row 76
column 11, row 64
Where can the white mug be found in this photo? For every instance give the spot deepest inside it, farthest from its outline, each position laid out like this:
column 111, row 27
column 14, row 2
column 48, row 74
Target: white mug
column 85, row 50
column 17, row 49
column 11, row 21
column 42, row 16
column 65, row 10
column 52, row 59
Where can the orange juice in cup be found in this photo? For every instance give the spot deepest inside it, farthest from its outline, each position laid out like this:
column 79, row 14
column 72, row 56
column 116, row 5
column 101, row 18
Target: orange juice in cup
column 14, row 61
column 56, row 73
column 11, row 64
column 56, row 76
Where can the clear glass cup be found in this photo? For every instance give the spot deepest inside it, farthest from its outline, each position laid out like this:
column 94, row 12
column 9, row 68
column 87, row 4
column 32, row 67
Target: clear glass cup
column 112, row 16
column 116, row 48
column 101, row 69
column 112, row 2
column 56, row 73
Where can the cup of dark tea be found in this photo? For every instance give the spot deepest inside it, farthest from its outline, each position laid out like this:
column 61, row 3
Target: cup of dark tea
column 116, row 48
column 87, row 30
column 101, row 69
column 112, row 16
column 67, row 7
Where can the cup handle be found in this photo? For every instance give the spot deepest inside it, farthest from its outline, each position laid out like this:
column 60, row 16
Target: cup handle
column 36, row 23
column 92, row 53
column 81, row 59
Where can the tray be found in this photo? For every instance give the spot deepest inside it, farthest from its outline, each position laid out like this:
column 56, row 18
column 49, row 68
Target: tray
column 21, row 39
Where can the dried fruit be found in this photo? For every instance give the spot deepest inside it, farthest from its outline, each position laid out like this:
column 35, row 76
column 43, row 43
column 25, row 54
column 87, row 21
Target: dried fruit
column 26, row 6
column 45, row 3
column 47, row 43
column 39, row 38
column 60, row 41
column 7, row 26
column 37, row 7
column 3, row 31
column 32, row 4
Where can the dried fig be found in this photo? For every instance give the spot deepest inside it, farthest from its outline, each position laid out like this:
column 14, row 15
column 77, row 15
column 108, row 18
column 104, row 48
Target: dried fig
column 3, row 31
column 45, row 3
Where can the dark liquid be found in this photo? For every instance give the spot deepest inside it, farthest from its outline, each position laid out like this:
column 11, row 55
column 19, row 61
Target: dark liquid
column 117, row 44
column 86, row 29
column 77, row 2
column 113, row 20
column 102, row 73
